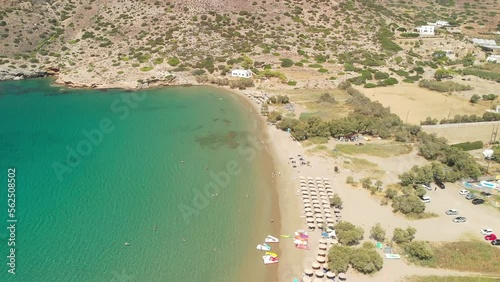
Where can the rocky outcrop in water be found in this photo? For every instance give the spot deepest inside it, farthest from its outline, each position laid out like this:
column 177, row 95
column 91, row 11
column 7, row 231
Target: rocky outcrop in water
column 17, row 74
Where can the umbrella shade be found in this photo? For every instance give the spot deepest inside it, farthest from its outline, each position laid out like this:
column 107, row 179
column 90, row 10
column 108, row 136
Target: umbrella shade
column 315, row 265
column 330, row 220
column 315, row 201
column 322, row 193
column 322, row 253
column 311, row 225
column 309, row 214
column 308, row 272
column 322, row 247
column 319, row 219
column 322, row 241
column 317, row 210
column 327, row 214
column 318, row 215
column 307, row 210
column 316, row 206
column 324, row 198
column 325, row 202
column 319, row 274
column 306, row 200
column 325, row 206
column 307, row 279
column 310, row 182
column 321, row 259
column 305, row 197
column 305, row 192
column 329, row 275
column 310, row 220
column 342, row 276
column 310, row 178
column 336, row 210
column 338, row 215
column 331, row 226
column 307, row 205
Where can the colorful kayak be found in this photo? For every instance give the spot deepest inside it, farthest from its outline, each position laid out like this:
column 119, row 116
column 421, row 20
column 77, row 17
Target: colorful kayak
column 271, row 254
column 271, row 239
column 269, row 259
column 286, row 236
column 263, row 247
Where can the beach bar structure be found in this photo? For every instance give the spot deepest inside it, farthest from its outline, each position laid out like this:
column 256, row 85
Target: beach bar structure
column 241, row 73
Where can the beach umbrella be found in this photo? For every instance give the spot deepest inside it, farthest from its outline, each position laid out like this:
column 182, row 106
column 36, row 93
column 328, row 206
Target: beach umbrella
column 307, row 209
column 325, row 202
column 315, row 201
column 325, row 206
column 316, row 265
column 306, row 201
column 319, row 219
column 317, row 210
column 330, row 275
column 308, row 272
column 318, row 215
column 337, row 215
column 310, row 178
column 336, row 210
column 305, row 197
column 310, row 220
column 322, row 241
column 322, row 247
column 320, row 259
column 322, row 193
column 316, row 206
column 311, row 225
column 329, row 220
column 307, row 205
column 342, row 276
column 324, row 198
column 319, row 274
column 307, row 279
column 309, row 214
column 331, row 226
column 322, row 253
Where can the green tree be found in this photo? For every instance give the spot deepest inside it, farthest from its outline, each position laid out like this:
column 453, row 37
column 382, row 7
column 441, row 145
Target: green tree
column 377, row 233
column 390, row 193
column 419, row 250
column 348, row 234
column 475, row 98
column 274, row 117
column 336, row 201
column 366, row 260
column 420, row 191
column 379, row 184
column 441, row 73
column 408, row 204
column 247, row 62
column 401, row 236
column 366, row 182
column 264, row 110
column 286, row 63
column 338, row 258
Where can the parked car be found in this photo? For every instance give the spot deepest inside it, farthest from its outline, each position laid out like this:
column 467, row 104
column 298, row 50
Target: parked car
column 486, row 194
column 427, row 186
column 452, row 212
column 425, row 199
column 464, row 192
column 496, row 242
column 470, row 196
column 459, row 219
column 439, row 183
column 490, row 237
column 487, row 231
column 477, row 202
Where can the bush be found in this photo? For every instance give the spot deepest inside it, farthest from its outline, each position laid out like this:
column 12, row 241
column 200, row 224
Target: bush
column 468, row 146
column 381, row 75
column 292, row 83
column 173, row 61
column 377, row 233
column 339, row 258
column 279, row 99
column 489, row 97
column 366, row 260
column 326, row 98
column 286, row 63
column 241, row 83
column 401, row 236
column 348, row 234
column 390, row 193
column 274, row 116
column 336, row 201
column 370, row 85
column 419, row 250
column 443, row 86
column 474, row 99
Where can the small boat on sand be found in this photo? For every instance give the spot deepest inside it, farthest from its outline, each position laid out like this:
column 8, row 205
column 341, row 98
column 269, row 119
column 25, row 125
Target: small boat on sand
column 270, row 259
column 271, row 254
column 271, row 239
column 263, row 247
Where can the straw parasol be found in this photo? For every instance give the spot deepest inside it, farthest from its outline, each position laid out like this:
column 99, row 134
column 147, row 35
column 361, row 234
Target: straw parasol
column 319, row 273
column 308, row 272
column 307, row 210
column 322, row 247
column 319, row 215
column 329, row 275
column 306, row 200
column 322, row 253
column 309, row 214
column 309, row 220
column 323, row 197
column 322, row 241
column 316, row 265
column 307, row 205
column 311, row 225
column 317, row 210
column 319, row 219
column 342, row 276
column 325, row 206
column 315, row 201
column 321, row 193
column 325, row 202
column 320, row 259
column 305, row 192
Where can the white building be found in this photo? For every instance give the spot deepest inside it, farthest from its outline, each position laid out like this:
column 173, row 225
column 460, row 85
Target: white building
column 426, row 30
column 241, row 73
column 493, row 59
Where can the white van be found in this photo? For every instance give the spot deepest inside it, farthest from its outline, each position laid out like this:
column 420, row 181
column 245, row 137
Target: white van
column 425, row 199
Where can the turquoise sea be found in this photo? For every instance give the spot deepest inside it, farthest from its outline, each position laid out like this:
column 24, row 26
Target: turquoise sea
column 155, row 185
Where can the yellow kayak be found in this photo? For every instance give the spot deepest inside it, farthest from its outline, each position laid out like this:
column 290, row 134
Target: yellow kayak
column 286, row 236
column 271, row 254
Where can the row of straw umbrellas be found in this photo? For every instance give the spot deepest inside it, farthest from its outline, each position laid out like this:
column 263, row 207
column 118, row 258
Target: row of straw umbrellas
column 316, row 194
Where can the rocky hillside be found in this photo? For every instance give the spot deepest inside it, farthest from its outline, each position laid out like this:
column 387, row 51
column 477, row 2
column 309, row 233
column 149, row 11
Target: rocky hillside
column 125, row 43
